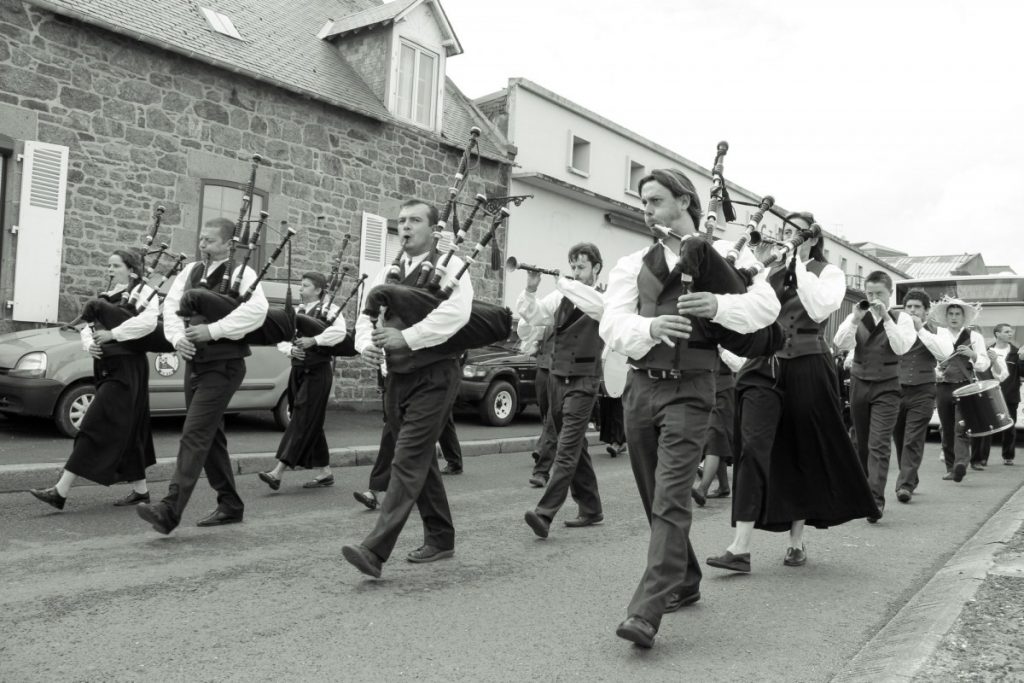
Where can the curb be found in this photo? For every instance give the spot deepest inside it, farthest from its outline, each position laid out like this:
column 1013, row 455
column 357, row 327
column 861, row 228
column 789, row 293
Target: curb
column 907, row 642
column 15, row 478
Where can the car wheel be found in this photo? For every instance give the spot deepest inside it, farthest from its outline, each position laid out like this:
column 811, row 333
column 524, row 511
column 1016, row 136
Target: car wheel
column 71, row 407
column 499, row 404
column 282, row 414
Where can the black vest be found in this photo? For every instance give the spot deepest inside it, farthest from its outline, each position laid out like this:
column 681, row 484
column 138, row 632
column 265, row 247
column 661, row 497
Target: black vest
column 657, row 296
column 544, row 348
column 117, row 348
column 803, row 335
column 917, row 366
column 406, row 360
column 725, row 378
column 959, row 369
column 577, row 344
column 219, row 349
column 315, row 357
column 873, row 357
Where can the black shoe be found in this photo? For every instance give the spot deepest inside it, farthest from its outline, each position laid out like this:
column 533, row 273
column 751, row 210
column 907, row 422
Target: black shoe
column 585, row 520
column 429, row 553
column 678, row 600
column 795, row 557
column 638, row 631
column 698, row 497
column 873, row 519
column 734, row 563
column 977, row 467
column 720, row 493
column 363, row 559
column 903, row 494
column 270, row 480
column 50, row 497
column 958, row 472
column 539, row 525
column 320, row 483
column 132, row 498
column 218, row 518
column 451, row 469
column 1007, row 461
column 369, row 499
column 538, row 481
column 155, row 515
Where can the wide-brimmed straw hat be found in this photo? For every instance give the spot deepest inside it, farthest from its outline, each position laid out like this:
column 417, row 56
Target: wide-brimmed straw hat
column 938, row 312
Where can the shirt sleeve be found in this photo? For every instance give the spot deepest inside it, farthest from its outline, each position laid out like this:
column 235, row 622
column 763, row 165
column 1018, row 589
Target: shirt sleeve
column 999, row 369
column 364, row 326
column 248, row 316
column 846, row 334
column 746, row 313
column 622, row 328
column 734, row 362
column 445, row 320
column 586, row 298
column 901, row 334
column 143, row 322
column 938, row 345
column 174, row 326
column 538, row 312
column 981, row 363
column 334, row 334
column 822, row 294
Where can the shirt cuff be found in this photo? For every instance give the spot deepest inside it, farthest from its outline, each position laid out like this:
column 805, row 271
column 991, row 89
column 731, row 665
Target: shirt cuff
column 216, row 332
column 413, row 338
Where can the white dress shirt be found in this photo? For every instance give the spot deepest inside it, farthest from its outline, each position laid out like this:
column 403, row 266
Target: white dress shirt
column 143, row 322
column 629, row 333
column 939, row 346
column 440, row 324
column 540, row 313
column 901, row 334
column 731, row 360
column 821, row 294
column 335, row 332
column 977, row 345
column 235, row 325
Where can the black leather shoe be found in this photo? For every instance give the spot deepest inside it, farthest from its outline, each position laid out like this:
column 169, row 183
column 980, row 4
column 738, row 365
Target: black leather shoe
column 429, row 553
column 903, row 495
column 50, row 497
column 218, row 518
column 156, row 516
column 270, row 480
column 585, row 520
column 679, row 600
column 977, row 467
column 320, row 483
column 538, row 481
column 638, row 631
column 1007, row 462
column 363, row 559
column 734, row 563
column 539, row 525
column 795, row 557
column 958, row 472
column 719, row 493
column 369, row 499
column 451, row 469
column 698, row 497
column 132, row 498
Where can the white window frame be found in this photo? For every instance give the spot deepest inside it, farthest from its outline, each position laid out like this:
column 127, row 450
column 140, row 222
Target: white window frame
column 221, row 23
column 583, row 172
column 630, row 162
column 437, row 98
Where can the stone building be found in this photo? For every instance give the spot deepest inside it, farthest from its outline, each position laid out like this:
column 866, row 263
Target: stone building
column 112, row 107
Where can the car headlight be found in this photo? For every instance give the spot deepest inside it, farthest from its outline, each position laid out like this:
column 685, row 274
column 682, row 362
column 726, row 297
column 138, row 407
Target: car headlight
column 474, row 372
column 30, row 365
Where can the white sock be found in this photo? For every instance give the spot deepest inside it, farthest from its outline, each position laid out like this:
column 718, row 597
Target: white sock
column 67, row 479
column 140, row 487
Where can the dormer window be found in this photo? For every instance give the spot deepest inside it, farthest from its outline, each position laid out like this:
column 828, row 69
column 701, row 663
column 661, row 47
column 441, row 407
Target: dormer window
column 417, row 89
column 221, row 23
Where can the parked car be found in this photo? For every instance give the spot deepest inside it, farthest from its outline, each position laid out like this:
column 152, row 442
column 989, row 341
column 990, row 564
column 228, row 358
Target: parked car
column 45, row 373
column 498, row 381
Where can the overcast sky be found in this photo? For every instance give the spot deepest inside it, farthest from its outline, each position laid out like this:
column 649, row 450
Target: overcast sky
column 900, row 122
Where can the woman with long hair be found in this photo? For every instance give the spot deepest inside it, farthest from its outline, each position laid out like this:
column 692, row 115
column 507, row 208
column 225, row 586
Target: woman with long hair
column 114, row 442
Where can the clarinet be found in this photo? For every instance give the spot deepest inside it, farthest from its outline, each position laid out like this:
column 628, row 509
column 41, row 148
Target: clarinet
column 499, row 217
column 752, row 235
column 717, row 192
column 229, row 267
column 460, row 237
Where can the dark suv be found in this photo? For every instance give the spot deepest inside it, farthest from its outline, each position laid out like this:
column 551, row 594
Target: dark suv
column 498, row 381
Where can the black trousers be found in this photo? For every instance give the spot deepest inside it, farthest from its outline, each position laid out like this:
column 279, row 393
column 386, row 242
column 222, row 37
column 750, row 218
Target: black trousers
column 874, row 407
column 380, row 475
column 917, row 403
column 548, row 439
column 666, row 423
column 956, row 445
column 204, row 446
column 572, row 400
column 417, row 405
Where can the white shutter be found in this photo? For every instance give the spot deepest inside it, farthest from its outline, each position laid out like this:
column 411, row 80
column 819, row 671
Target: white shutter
column 372, row 246
column 40, row 237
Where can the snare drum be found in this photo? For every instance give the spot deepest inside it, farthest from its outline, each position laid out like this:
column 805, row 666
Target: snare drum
column 983, row 410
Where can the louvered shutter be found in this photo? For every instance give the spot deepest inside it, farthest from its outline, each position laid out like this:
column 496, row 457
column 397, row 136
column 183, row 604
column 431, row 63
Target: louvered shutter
column 372, row 246
column 40, row 236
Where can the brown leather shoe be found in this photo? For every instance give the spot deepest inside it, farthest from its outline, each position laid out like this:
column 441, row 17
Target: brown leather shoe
column 638, row 631
column 132, row 498
column 429, row 553
column 584, row 520
column 363, row 559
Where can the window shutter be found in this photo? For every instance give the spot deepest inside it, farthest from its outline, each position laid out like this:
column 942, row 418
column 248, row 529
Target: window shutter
column 372, row 246
column 40, row 237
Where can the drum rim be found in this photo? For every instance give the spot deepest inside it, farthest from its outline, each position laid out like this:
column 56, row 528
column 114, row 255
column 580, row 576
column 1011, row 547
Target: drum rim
column 991, row 431
column 980, row 387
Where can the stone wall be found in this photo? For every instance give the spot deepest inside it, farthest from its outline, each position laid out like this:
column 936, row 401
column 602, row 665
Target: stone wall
column 146, row 127
column 368, row 53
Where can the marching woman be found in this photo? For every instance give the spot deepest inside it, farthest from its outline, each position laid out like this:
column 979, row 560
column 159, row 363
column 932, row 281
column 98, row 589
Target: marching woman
column 796, row 464
column 304, row 443
column 114, row 442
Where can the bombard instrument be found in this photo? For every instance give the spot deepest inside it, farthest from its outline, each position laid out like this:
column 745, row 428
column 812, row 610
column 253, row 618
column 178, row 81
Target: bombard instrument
column 788, row 247
column 752, row 234
column 864, row 304
column 717, row 192
column 512, row 264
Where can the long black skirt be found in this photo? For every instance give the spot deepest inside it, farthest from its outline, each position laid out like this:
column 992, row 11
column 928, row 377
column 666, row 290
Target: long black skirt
column 613, row 427
column 796, row 460
column 723, row 423
column 304, row 443
column 114, row 442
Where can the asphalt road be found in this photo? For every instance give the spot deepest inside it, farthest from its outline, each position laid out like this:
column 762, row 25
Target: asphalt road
column 26, row 441
column 92, row 593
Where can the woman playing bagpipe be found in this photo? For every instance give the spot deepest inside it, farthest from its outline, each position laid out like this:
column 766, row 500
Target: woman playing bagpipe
column 796, row 464
column 304, row 443
column 114, row 442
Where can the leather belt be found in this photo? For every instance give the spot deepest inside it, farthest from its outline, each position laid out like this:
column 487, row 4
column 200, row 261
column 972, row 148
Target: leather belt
column 660, row 374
